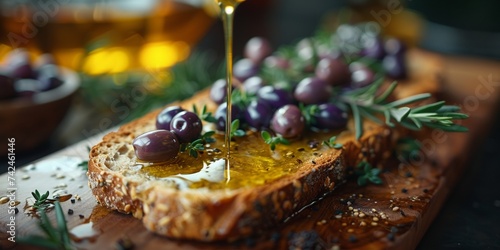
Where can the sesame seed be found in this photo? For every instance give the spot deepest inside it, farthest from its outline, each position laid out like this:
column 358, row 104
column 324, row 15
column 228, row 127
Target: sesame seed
column 351, row 208
column 362, row 223
column 375, row 218
column 374, row 223
column 404, row 190
column 350, row 230
column 70, row 211
column 395, row 209
column 374, row 210
column 361, row 215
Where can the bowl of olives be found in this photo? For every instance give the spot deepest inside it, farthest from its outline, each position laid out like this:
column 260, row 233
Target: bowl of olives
column 35, row 96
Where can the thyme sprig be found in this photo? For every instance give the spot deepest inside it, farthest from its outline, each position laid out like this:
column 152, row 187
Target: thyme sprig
column 332, row 143
column 407, row 148
column 273, row 140
column 195, row 147
column 204, row 114
column 366, row 173
column 235, row 129
column 365, row 103
column 41, row 200
column 55, row 236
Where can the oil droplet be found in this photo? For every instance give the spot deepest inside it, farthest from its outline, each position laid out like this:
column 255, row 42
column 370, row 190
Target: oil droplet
column 84, row 232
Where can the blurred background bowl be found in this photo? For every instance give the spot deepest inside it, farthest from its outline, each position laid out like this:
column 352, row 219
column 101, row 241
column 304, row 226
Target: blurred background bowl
column 32, row 120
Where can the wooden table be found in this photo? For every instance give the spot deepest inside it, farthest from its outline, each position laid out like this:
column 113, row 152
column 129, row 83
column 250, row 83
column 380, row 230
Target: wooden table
column 396, row 214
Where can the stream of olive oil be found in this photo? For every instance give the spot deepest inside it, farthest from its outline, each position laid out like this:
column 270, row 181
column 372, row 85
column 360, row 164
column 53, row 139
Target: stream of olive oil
column 228, row 8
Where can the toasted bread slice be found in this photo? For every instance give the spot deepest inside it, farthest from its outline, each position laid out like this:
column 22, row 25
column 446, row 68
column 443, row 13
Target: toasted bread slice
column 118, row 182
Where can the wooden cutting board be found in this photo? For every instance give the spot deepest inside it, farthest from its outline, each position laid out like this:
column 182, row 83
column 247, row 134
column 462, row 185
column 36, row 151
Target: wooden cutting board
column 394, row 215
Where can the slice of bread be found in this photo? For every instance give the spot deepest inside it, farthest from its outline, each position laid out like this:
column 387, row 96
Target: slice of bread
column 222, row 214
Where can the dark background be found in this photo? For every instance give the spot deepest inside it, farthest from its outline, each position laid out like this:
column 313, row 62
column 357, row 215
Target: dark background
column 470, row 219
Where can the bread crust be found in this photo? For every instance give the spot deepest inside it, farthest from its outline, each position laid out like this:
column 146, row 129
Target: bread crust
column 210, row 215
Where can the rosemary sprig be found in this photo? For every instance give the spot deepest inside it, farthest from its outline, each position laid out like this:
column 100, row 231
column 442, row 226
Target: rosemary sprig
column 56, row 236
column 365, row 103
column 366, row 173
column 273, row 141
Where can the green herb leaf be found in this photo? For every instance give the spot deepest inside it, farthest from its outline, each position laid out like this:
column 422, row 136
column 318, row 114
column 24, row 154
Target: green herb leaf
column 366, row 172
column 363, row 103
column 235, row 131
column 84, row 165
column 332, row 143
column 55, row 237
column 273, row 141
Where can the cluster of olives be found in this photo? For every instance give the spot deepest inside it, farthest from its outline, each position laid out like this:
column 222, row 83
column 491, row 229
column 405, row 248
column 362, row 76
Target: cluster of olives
column 307, row 103
column 20, row 77
column 286, row 106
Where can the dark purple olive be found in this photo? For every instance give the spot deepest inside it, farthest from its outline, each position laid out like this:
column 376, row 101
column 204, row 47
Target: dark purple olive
column 288, row 121
column 156, row 146
column 333, row 71
column 187, row 126
column 394, row 66
column 19, row 65
column 218, row 91
column 253, row 84
column 257, row 49
column 373, row 47
column 276, row 62
column 258, row 115
column 164, row 118
column 329, row 117
column 312, row 90
column 49, row 77
column 244, row 69
column 275, row 97
column 221, row 114
column 26, row 87
column 7, row 89
column 361, row 75
column 394, row 46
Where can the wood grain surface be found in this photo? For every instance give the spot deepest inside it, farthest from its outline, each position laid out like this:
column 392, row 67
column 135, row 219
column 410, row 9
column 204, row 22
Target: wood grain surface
column 394, row 215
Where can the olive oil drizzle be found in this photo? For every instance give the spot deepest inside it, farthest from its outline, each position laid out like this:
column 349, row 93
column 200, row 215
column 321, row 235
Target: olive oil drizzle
column 227, row 8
